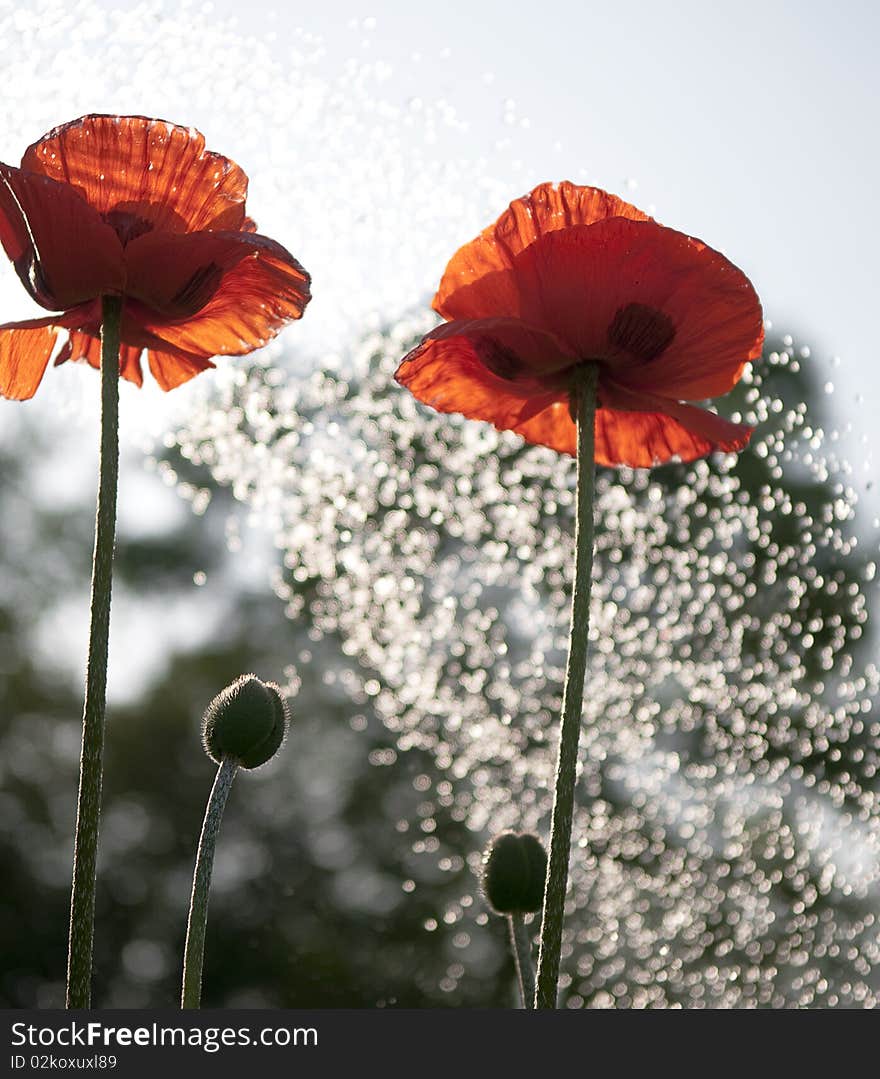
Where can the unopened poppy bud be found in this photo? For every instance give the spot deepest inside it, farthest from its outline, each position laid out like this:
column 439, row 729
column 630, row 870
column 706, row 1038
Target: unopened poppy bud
column 246, row 723
column 514, row 868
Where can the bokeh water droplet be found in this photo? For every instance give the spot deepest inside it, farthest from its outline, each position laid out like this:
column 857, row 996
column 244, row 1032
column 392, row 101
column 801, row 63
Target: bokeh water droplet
column 728, row 828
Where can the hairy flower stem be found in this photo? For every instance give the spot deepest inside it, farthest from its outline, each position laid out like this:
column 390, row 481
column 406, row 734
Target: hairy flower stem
column 194, row 951
column 522, row 956
column 572, row 702
column 85, row 852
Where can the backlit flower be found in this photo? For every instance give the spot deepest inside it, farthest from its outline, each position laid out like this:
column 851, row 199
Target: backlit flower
column 138, row 208
column 569, row 275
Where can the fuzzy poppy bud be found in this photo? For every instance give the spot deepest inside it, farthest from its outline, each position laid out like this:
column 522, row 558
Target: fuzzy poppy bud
column 514, row 867
column 246, row 723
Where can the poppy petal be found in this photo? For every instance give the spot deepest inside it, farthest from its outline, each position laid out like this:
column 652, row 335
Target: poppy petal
column 173, row 369
column 645, row 439
column 141, row 174
column 660, row 310
column 86, row 348
column 61, row 249
column 643, row 430
column 25, row 349
column 217, row 293
column 631, row 429
column 448, row 374
column 172, row 365
column 708, row 303
column 638, row 439
column 551, row 426
column 507, row 347
column 548, row 208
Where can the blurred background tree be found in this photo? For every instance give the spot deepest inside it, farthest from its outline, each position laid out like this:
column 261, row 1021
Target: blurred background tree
column 308, row 906
column 320, row 898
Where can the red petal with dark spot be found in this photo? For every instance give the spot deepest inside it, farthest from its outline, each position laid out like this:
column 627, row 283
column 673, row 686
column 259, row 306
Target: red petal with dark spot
column 507, row 347
column 448, row 374
column 215, row 293
column 133, row 169
column 664, row 317
column 701, row 318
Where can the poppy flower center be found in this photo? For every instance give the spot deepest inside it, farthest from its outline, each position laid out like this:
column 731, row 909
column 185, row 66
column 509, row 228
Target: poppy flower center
column 641, row 331
column 127, row 225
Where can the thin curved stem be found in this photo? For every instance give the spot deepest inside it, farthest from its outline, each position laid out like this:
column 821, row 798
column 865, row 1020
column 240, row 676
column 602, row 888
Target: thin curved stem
column 194, row 950
column 573, row 697
column 522, row 956
column 85, row 853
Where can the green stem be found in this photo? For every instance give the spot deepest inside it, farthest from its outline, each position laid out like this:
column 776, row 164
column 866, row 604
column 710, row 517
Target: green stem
column 85, row 853
column 573, row 697
column 522, row 956
column 194, row 950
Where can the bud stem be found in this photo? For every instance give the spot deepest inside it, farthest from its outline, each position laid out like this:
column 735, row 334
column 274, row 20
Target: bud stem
column 194, row 951
column 85, row 849
column 522, row 956
column 573, row 696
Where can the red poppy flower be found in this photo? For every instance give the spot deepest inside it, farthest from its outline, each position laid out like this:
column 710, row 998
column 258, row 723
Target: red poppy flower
column 569, row 275
column 124, row 205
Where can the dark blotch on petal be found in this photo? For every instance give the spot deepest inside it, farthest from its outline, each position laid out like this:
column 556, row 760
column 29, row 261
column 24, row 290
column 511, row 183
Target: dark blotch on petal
column 501, row 361
column 198, row 289
column 641, row 331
